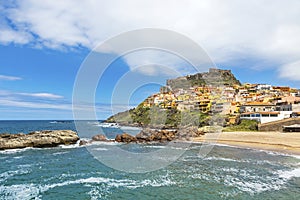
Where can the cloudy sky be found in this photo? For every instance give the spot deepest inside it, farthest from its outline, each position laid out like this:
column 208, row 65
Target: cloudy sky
column 44, row 43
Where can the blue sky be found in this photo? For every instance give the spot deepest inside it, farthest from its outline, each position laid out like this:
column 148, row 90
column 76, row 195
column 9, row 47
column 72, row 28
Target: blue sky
column 44, row 43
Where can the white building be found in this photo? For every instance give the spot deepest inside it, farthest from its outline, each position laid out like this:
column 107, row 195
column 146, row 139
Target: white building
column 158, row 100
column 258, row 107
column 265, row 117
column 264, row 87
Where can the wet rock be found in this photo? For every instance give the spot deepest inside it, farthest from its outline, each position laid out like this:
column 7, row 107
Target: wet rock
column 100, row 137
column 165, row 135
column 83, row 142
column 39, row 139
column 125, row 138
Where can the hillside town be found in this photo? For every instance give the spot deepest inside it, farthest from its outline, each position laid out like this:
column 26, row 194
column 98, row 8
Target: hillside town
column 262, row 102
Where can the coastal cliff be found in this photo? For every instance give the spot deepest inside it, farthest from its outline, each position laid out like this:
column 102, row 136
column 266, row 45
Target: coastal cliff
column 39, row 139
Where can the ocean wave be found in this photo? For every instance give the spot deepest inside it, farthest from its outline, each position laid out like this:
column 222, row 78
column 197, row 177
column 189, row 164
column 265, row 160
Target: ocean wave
column 70, row 146
column 8, row 174
column 289, row 174
column 14, row 151
column 20, row 192
column 35, row 191
column 155, row 147
column 60, row 122
column 220, row 159
column 100, row 149
column 93, row 143
column 60, row 153
column 246, row 180
column 252, row 183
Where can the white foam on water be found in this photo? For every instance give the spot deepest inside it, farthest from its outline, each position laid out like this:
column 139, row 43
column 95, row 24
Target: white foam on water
column 34, row 191
column 20, row 192
column 295, row 156
column 131, row 184
column 255, row 185
column 295, row 173
column 155, row 147
column 231, row 169
column 251, row 187
column 97, row 193
column 14, row 151
column 71, row 146
column 103, row 143
column 8, row 174
column 229, row 195
column 18, row 157
column 246, row 180
column 60, row 153
column 274, row 153
column 252, row 183
column 221, row 159
column 100, row 149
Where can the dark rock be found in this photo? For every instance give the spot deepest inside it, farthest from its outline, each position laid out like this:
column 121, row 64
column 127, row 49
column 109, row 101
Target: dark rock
column 154, row 135
column 83, row 142
column 38, row 139
column 125, row 138
column 150, row 135
column 100, row 137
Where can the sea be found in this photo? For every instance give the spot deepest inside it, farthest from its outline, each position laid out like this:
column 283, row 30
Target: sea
column 73, row 172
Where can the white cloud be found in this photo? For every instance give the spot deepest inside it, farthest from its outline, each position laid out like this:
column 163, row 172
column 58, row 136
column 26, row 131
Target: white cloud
column 9, row 78
column 12, row 94
column 290, row 71
column 156, row 62
column 42, row 95
column 53, row 102
column 228, row 30
column 9, row 35
column 27, row 104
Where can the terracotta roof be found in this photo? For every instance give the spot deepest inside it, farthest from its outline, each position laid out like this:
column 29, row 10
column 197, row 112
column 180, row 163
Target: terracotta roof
column 290, row 99
column 266, row 113
column 255, row 103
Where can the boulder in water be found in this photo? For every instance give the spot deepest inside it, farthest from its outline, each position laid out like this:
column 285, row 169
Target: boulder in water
column 39, row 139
column 100, row 137
column 125, row 138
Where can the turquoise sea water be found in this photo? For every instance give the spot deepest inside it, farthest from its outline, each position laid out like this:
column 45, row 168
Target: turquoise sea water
column 71, row 172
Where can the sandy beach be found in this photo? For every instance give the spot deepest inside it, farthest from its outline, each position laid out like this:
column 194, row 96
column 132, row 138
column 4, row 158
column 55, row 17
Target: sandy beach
column 273, row 141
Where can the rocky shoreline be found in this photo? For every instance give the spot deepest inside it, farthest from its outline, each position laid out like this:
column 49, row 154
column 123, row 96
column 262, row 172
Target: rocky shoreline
column 38, row 139
column 54, row 138
column 150, row 136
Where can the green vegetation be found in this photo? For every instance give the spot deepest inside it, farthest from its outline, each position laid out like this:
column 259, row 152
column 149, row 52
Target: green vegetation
column 160, row 117
column 244, row 125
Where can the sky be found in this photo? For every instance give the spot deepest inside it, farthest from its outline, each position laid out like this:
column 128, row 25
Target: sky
column 44, row 44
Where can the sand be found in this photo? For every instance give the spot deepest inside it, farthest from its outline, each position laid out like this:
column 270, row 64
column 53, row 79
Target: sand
column 273, row 141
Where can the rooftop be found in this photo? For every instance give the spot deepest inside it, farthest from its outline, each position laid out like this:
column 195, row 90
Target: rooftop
column 255, row 103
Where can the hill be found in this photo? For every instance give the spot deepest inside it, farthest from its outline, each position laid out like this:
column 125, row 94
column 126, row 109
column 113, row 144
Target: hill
column 166, row 118
column 215, row 77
